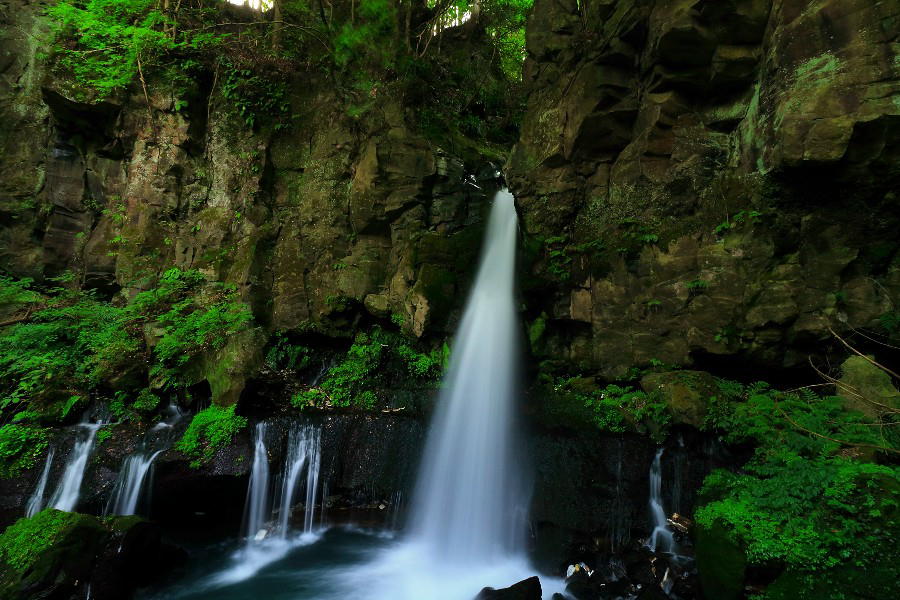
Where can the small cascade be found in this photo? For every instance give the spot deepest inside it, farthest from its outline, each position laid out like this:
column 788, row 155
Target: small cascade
column 133, row 476
column 304, row 452
column 261, row 548
column 258, row 491
column 36, row 501
column 66, row 495
column 662, row 539
column 130, row 482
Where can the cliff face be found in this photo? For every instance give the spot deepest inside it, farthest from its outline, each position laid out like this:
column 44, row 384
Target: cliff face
column 703, row 179
column 333, row 219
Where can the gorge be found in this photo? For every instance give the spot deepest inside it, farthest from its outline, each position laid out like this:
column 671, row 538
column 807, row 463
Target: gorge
column 421, row 299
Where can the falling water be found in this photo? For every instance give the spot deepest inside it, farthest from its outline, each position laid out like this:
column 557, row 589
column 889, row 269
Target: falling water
column 133, row 475
column 36, row 501
column 662, row 539
column 465, row 504
column 66, row 495
column 467, row 510
column 304, row 451
column 258, row 492
column 130, row 483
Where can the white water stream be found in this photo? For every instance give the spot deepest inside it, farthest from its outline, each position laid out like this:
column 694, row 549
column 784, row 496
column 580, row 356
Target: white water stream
column 36, row 501
column 662, row 539
column 467, row 513
column 269, row 536
column 67, row 492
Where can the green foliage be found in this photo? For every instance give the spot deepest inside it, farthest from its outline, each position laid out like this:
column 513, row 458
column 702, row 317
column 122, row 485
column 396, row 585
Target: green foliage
column 256, row 95
column 889, row 321
column 282, row 354
column 373, row 358
column 559, row 257
column 73, row 344
column 741, row 218
column 615, row 408
column 697, row 286
column 803, row 501
column 20, row 447
column 24, row 541
column 210, row 430
column 370, row 36
column 76, row 345
column 108, row 44
column 15, row 294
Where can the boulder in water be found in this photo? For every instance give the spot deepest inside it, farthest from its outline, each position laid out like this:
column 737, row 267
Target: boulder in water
column 527, row 589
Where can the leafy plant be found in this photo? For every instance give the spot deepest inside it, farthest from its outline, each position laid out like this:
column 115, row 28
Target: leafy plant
column 210, row 430
column 20, row 447
column 803, row 501
column 737, row 220
column 370, row 361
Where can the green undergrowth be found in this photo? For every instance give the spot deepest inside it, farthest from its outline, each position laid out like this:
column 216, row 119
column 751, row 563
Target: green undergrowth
column 375, row 359
column 817, row 496
column 210, row 430
column 69, row 348
column 20, row 448
column 615, row 407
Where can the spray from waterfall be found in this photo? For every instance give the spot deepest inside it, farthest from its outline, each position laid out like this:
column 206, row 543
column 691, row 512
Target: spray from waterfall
column 267, row 522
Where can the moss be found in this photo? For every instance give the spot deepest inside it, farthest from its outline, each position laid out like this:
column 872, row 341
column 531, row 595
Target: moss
column 210, row 430
column 25, row 541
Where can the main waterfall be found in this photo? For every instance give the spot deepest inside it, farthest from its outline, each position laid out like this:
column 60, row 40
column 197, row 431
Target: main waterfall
column 468, row 510
column 466, row 507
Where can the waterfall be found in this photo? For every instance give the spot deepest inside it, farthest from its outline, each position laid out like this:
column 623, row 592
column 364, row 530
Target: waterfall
column 260, row 548
column 136, row 467
column 465, row 508
column 258, row 491
column 467, row 512
column 36, row 501
column 662, row 539
column 66, row 495
column 130, row 483
column 304, row 451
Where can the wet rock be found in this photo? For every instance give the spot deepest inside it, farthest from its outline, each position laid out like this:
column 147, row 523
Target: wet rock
column 528, row 589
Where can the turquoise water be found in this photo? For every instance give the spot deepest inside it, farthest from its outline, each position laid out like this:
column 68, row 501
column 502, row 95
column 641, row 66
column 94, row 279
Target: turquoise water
column 339, row 563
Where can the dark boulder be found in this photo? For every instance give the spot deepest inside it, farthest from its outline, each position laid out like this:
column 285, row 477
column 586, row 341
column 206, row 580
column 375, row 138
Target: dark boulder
column 527, row 589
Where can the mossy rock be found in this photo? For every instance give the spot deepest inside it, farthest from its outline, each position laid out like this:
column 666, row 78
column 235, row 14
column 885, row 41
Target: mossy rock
column 684, row 392
column 49, row 554
column 864, row 386
column 721, row 563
